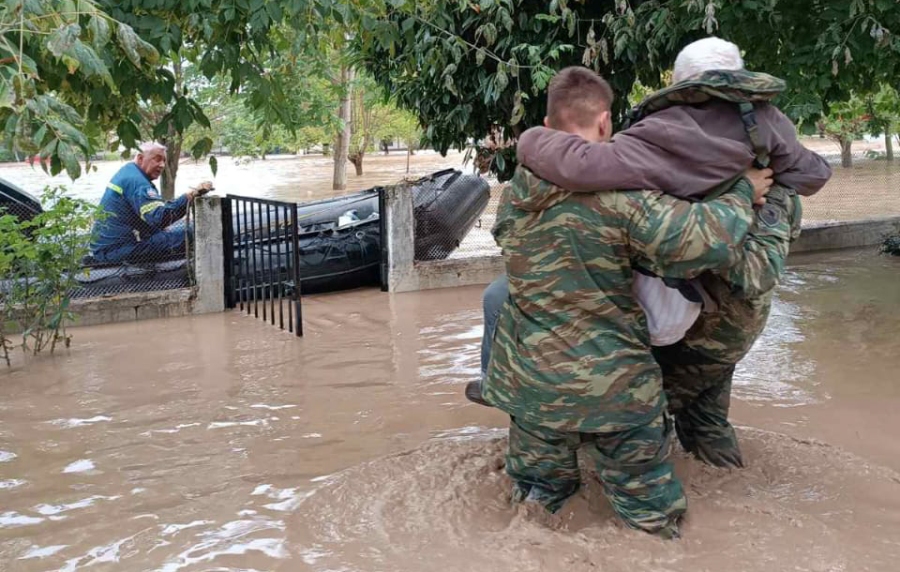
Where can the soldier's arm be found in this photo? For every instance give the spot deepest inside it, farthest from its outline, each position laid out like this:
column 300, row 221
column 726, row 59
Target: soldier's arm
column 680, row 239
column 766, row 248
column 153, row 210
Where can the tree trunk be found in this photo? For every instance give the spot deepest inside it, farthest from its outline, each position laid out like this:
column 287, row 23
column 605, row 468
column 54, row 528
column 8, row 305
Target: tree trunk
column 846, row 155
column 357, row 160
column 342, row 142
column 173, row 142
column 888, row 144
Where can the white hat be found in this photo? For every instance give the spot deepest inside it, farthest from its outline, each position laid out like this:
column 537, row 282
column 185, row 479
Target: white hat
column 707, row 54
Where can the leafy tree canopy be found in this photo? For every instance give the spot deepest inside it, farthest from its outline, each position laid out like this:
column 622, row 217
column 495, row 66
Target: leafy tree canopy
column 468, row 67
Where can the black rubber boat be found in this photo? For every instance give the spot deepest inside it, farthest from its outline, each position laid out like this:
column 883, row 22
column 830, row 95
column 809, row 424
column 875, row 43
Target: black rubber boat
column 339, row 240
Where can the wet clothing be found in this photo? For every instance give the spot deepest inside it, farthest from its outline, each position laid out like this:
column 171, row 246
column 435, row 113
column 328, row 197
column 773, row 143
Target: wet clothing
column 137, row 228
column 571, row 351
column 697, row 371
column 637, row 479
column 682, row 150
column 689, row 150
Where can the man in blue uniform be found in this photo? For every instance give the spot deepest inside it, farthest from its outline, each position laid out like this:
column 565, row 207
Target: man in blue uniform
column 139, row 226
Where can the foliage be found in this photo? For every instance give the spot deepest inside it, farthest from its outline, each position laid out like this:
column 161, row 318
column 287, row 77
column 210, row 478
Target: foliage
column 58, row 59
column 39, row 260
column 847, row 122
column 375, row 118
column 468, row 69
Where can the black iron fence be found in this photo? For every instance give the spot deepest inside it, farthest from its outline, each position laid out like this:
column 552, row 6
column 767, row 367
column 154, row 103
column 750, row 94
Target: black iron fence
column 262, row 268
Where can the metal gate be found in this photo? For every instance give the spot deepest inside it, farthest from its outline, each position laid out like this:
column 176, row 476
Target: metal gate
column 262, row 260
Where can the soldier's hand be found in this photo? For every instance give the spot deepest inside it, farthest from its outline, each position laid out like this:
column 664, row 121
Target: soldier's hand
column 761, row 181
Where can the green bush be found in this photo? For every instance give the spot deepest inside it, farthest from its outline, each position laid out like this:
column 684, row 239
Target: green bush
column 39, row 261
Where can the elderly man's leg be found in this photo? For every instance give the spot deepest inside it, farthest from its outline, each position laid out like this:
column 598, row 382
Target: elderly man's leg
column 495, row 295
column 699, row 394
column 163, row 245
column 543, row 464
column 638, row 478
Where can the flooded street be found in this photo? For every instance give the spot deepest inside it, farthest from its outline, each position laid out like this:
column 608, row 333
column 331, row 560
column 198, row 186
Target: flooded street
column 283, row 177
column 222, row 443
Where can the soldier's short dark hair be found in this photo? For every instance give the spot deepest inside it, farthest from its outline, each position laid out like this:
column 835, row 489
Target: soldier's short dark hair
column 576, row 96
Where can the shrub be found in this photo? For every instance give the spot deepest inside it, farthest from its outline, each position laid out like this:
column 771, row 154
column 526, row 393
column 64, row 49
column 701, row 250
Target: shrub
column 39, row 262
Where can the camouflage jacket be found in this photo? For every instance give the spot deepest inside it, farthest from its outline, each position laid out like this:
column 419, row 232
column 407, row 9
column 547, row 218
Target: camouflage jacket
column 743, row 293
column 571, row 350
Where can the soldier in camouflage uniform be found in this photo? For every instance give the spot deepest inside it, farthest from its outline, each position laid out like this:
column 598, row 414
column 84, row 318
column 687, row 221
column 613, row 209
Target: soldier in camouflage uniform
column 697, row 122
column 571, row 362
column 698, row 370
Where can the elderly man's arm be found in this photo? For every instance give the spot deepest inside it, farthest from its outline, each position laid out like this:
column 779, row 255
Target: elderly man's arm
column 153, row 210
column 658, row 152
column 679, row 239
column 795, row 166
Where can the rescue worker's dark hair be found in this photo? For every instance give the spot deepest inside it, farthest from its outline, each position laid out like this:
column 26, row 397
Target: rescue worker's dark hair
column 576, row 96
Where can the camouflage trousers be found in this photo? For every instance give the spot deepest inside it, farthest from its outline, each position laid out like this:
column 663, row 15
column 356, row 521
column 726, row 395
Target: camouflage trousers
column 632, row 465
column 698, row 391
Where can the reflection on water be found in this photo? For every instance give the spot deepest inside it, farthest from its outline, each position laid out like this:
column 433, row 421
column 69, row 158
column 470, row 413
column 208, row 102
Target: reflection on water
column 204, row 443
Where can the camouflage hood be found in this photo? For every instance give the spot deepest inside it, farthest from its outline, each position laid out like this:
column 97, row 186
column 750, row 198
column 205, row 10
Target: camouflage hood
column 530, row 193
column 736, row 86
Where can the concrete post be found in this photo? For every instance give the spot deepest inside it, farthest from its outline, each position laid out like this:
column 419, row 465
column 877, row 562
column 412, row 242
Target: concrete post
column 401, row 230
column 209, row 268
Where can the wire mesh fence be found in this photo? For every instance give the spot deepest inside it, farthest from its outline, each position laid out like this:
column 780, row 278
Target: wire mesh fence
column 105, row 253
column 869, row 188
column 447, row 206
column 129, row 254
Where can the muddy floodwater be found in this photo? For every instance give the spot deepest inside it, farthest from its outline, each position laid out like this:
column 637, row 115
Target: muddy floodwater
column 220, row 443
column 870, row 188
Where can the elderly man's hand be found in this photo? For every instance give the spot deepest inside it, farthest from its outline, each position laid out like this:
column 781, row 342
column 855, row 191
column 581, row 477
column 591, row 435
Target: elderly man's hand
column 200, row 190
column 761, row 181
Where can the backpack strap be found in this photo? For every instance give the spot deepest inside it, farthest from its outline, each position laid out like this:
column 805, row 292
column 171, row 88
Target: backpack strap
column 748, row 117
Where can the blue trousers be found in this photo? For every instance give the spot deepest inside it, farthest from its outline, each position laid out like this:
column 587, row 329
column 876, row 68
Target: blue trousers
column 162, row 245
column 492, row 302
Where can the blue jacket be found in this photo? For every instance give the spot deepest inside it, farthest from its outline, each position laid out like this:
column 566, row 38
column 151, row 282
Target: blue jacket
column 136, row 210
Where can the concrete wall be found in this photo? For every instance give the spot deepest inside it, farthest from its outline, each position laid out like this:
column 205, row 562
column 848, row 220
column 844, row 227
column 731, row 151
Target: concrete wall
column 209, row 269
column 208, row 294
column 132, row 307
column 407, row 275
column 852, row 234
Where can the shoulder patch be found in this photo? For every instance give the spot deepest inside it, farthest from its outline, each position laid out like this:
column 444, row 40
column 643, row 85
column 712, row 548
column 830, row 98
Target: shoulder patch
column 153, row 194
column 769, row 214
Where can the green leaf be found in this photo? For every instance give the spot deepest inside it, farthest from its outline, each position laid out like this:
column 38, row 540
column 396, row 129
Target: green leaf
column 7, row 96
column 63, row 39
column 100, row 33
column 213, row 164
column 202, row 147
column 69, row 159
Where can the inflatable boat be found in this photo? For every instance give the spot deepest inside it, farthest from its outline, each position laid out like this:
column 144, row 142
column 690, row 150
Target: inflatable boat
column 340, row 238
column 339, row 243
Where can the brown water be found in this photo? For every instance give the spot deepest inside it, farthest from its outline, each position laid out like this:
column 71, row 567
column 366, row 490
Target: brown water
column 870, row 188
column 289, row 178
column 220, row 443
